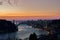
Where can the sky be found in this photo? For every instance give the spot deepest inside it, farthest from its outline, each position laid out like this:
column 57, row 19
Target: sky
column 43, row 9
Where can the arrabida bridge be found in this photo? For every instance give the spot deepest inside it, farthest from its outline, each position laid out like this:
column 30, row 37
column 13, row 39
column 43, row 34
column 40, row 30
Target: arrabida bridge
column 17, row 23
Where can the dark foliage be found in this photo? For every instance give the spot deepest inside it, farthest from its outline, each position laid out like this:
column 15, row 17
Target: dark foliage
column 7, row 26
column 33, row 37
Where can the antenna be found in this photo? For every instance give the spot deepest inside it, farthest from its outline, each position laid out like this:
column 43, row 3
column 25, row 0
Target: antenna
column 1, row 2
column 9, row 2
column 15, row 2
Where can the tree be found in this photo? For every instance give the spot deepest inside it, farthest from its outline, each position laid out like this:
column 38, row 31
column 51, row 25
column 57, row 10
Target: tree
column 7, row 26
column 33, row 37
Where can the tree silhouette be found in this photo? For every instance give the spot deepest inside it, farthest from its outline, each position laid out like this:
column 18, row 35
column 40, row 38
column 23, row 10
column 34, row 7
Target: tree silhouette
column 33, row 37
column 7, row 26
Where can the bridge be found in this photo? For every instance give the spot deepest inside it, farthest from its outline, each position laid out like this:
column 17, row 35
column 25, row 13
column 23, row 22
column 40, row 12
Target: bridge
column 17, row 23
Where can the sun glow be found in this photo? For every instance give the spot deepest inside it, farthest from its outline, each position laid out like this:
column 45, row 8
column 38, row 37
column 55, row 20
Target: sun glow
column 41, row 8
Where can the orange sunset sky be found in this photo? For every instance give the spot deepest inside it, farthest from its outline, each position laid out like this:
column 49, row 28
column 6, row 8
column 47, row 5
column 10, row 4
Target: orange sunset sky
column 30, row 9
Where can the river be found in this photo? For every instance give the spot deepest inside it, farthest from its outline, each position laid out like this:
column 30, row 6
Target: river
column 24, row 31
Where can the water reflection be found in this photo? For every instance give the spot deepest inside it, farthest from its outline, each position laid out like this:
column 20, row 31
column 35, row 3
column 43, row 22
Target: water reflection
column 8, row 36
